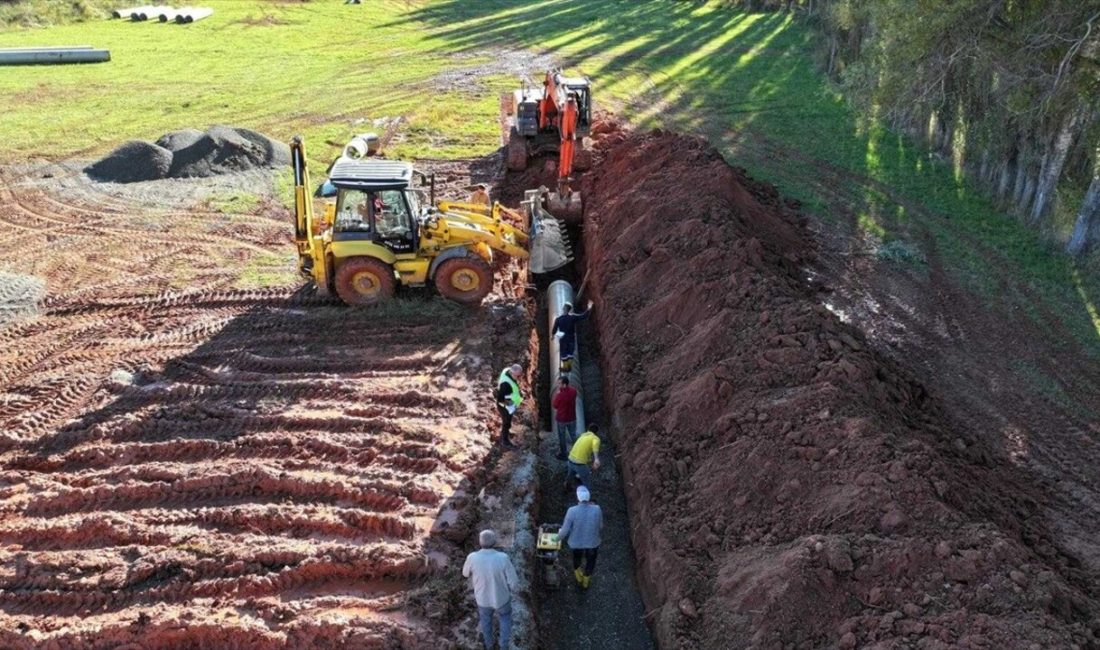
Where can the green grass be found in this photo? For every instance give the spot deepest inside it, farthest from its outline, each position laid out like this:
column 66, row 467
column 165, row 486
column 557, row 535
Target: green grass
column 234, row 202
column 748, row 82
column 269, row 270
column 324, row 69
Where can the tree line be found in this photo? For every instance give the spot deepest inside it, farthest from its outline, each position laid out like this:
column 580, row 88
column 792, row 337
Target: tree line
column 1007, row 89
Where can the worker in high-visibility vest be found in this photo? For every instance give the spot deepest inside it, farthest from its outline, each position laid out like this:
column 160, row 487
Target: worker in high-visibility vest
column 508, row 399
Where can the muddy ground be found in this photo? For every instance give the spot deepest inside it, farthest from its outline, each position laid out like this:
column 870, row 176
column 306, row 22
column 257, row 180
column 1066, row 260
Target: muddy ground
column 185, row 462
column 798, row 487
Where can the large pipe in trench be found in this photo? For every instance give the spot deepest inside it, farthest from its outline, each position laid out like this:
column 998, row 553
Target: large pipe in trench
column 557, row 294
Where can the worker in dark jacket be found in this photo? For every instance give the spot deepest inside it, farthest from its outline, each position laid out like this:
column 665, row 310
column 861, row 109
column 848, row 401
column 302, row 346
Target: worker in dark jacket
column 508, row 398
column 565, row 329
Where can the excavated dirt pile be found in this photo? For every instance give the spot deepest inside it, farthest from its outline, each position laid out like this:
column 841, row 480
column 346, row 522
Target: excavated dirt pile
column 791, row 488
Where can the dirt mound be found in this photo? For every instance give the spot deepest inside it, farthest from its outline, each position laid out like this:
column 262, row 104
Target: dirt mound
column 134, row 161
column 790, row 487
column 176, row 140
column 191, row 154
column 225, row 149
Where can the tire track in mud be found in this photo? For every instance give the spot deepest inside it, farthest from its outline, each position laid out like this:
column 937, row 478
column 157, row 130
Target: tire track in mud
column 172, row 449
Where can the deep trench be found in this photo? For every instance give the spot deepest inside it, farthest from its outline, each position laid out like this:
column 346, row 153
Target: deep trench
column 610, row 613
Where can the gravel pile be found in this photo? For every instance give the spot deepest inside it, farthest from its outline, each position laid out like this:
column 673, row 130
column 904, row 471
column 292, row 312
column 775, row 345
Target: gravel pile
column 190, row 153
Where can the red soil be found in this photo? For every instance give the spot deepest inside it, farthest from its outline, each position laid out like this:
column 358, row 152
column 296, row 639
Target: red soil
column 790, row 487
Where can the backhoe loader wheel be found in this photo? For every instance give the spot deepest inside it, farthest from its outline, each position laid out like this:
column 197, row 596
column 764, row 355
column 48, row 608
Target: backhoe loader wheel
column 464, row 279
column 364, row 281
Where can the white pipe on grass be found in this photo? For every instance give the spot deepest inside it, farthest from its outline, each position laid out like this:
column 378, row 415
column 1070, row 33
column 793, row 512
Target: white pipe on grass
column 199, row 14
column 127, row 13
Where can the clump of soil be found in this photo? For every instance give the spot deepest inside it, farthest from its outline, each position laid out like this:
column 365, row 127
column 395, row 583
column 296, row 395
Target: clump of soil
column 189, row 153
column 790, row 487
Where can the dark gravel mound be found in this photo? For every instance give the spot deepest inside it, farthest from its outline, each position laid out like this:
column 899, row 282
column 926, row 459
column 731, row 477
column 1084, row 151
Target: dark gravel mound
column 189, row 153
column 278, row 153
column 136, row 160
column 176, row 140
column 220, row 150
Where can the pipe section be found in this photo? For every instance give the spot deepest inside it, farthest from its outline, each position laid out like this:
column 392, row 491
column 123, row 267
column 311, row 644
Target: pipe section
column 191, row 14
column 57, row 55
column 127, row 13
column 557, row 294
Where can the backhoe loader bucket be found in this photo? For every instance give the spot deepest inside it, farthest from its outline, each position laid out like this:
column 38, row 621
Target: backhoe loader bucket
column 549, row 243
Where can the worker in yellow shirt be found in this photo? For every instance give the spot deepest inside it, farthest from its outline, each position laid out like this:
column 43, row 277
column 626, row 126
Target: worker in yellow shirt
column 583, row 458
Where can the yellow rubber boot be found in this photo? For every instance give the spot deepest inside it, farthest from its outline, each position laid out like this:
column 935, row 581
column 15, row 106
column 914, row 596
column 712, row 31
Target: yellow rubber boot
column 579, row 575
column 585, row 581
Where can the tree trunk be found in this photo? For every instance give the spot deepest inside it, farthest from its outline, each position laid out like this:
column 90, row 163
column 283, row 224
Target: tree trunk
column 1087, row 229
column 1007, row 171
column 1029, row 193
column 1021, row 181
column 1052, row 168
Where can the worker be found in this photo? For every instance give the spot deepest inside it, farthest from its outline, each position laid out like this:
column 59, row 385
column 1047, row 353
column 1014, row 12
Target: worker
column 581, row 529
column 508, row 398
column 565, row 329
column 584, row 457
column 564, row 402
column 493, row 579
column 480, row 196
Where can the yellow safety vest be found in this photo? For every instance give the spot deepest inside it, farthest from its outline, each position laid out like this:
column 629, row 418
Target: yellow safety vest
column 516, row 398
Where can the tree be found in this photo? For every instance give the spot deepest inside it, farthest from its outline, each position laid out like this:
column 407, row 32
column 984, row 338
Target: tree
column 1087, row 229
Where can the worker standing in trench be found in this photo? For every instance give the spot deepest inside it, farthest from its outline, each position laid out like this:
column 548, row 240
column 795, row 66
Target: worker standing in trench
column 581, row 530
column 565, row 329
column 565, row 415
column 508, row 399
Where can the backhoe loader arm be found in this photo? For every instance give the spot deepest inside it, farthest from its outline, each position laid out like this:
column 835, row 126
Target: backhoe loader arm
column 303, row 203
column 312, row 261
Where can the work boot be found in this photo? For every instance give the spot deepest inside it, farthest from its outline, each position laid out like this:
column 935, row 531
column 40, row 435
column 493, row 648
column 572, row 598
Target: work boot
column 585, row 581
column 579, row 575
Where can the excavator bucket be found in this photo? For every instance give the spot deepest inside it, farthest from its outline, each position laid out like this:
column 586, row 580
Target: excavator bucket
column 549, row 243
column 566, row 205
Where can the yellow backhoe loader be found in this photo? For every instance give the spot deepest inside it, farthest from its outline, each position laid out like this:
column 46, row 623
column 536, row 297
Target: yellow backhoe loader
column 381, row 231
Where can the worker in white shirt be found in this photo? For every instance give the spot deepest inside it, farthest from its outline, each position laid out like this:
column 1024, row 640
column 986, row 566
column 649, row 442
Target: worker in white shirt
column 493, row 579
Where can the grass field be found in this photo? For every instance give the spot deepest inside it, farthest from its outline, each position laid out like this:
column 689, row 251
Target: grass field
column 746, row 81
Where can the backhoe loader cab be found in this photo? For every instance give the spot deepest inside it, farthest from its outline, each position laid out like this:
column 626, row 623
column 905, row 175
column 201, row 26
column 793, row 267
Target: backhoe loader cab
column 381, row 231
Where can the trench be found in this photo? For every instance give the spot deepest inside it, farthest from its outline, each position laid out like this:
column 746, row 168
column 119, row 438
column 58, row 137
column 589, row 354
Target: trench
column 610, row 613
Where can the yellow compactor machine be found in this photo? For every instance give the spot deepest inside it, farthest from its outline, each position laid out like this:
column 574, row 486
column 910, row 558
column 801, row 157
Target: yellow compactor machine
column 382, row 230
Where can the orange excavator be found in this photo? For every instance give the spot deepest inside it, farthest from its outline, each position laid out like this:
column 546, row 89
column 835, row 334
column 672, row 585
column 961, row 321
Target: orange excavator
column 555, row 120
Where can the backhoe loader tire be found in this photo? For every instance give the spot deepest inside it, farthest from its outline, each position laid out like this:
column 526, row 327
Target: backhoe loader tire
column 466, row 280
column 516, row 151
column 364, row 281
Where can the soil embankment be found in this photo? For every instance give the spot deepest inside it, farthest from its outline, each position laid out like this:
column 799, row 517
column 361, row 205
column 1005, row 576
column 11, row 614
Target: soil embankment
column 790, row 488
